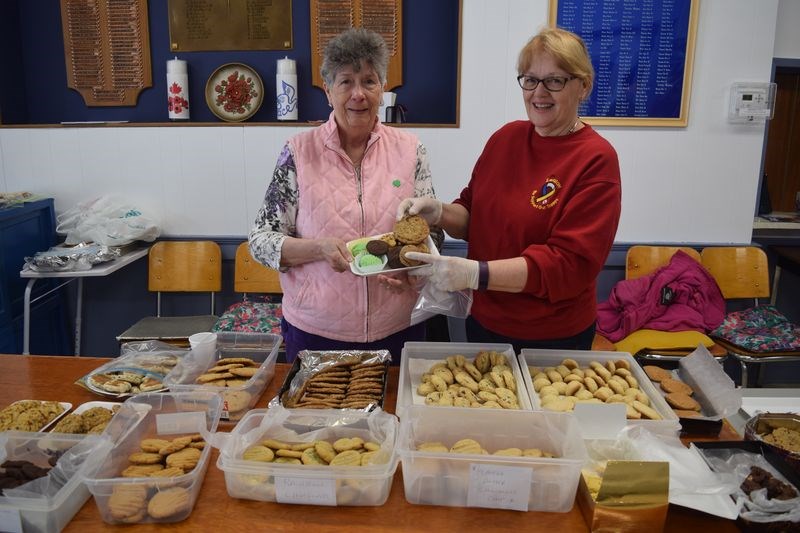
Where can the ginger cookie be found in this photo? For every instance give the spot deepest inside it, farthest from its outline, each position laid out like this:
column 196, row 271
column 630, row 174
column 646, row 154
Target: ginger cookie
column 673, row 385
column 656, row 373
column 679, row 400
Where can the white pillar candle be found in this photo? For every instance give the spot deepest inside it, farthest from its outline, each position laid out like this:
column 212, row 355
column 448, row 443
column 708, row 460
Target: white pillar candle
column 177, row 89
column 286, row 89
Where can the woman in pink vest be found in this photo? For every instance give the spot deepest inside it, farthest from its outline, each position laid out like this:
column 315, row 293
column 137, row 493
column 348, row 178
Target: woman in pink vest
column 540, row 211
column 332, row 184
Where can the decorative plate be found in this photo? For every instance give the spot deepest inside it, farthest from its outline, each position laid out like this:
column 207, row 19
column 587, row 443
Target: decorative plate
column 234, row 92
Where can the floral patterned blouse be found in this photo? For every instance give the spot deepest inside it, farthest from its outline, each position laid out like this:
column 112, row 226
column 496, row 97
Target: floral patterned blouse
column 277, row 217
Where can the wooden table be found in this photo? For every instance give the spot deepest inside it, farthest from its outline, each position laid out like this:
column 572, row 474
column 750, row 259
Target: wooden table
column 52, row 378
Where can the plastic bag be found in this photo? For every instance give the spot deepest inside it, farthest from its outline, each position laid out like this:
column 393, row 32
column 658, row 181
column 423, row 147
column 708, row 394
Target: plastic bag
column 433, row 302
column 106, row 220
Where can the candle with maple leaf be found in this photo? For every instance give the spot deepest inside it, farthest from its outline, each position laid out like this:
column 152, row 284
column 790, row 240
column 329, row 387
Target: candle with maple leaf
column 177, row 89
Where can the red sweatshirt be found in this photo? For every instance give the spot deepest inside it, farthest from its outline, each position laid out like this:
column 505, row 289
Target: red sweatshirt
column 556, row 202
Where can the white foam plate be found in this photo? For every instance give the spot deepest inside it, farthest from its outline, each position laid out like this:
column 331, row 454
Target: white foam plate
column 354, row 269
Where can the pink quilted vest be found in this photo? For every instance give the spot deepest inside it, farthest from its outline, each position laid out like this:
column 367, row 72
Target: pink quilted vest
column 332, row 203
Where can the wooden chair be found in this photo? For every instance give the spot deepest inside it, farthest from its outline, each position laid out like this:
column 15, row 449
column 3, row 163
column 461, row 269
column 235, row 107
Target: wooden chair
column 643, row 260
column 179, row 267
column 251, row 277
column 742, row 273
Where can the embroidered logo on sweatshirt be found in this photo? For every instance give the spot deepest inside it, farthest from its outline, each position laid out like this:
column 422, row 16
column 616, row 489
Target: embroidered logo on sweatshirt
column 547, row 196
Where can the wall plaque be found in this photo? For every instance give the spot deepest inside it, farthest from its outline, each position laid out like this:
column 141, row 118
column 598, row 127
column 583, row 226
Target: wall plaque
column 384, row 17
column 197, row 25
column 107, row 50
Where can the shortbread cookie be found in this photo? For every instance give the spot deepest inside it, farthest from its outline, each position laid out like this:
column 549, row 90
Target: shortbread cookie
column 311, row 457
column 347, row 458
column 144, row 458
column 153, row 445
column 170, row 502
column 246, row 372
column 141, row 470
column 172, row 471
column 325, row 450
column 466, row 446
column 127, row 502
column 186, row 459
column 258, row 453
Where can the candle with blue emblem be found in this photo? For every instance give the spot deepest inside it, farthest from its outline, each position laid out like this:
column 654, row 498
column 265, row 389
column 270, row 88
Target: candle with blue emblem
column 286, row 89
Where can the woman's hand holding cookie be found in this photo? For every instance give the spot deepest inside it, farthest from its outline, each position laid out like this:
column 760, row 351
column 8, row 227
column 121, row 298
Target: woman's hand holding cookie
column 428, row 208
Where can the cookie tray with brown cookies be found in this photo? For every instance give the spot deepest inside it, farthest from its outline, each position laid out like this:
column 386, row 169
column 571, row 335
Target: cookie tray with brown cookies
column 336, row 379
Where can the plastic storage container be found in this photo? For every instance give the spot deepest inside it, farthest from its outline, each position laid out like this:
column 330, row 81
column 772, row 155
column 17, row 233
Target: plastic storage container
column 311, row 485
column 475, row 480
column 49, row 503
column 165, row 416
column 260, row 347
column 418, row 357
column 545, row 358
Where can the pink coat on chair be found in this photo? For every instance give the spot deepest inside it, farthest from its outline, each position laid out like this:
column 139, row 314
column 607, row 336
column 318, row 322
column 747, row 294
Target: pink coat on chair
column 680, row 296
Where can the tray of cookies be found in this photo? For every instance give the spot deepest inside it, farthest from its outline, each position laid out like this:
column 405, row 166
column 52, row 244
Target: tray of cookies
column 32, row 415
column 155, row 470
column 385, row 253
column 559, row 379
column 496, row 458
column 41, row 478
column 336, row 379
column 89, row 418
column 699, row 391
column 141, row 367
column 311, row 457
column 778, row 431
column 239, row 370
column 470, row 375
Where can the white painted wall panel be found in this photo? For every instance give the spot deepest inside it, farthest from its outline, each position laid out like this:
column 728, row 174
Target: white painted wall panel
column 694, row 184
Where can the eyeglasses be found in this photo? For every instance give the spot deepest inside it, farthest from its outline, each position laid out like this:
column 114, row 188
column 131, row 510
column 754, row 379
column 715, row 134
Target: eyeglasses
column 552, row 84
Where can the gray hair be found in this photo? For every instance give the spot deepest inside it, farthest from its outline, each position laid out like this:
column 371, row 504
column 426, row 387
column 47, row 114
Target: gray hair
column 350, row 48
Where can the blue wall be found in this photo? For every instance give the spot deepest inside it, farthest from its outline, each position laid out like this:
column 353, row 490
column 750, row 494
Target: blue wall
column 32, row 50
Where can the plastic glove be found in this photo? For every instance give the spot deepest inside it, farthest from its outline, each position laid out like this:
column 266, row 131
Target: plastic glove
column 449, row 273
column 428, row 208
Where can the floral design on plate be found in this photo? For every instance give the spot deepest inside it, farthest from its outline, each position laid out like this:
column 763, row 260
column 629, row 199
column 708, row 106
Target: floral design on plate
column 234, row 92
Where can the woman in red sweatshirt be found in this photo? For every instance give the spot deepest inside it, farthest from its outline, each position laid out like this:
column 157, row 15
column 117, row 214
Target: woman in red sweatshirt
column 540, row 211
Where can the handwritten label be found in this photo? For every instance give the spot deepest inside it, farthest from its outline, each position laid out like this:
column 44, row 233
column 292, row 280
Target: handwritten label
column 172, row 423
column 499, row 487
column 10, row 521
column 306, row 491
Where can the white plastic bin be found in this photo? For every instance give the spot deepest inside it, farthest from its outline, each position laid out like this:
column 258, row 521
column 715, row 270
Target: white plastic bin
column 260, row 347
column 165, row 416
column 475, row 480
column 418, row 357
column 545, row 358
column 310, row 485
column 52, row 501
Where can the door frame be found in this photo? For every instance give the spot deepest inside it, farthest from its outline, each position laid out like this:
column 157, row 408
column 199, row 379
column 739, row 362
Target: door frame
column 777, row 62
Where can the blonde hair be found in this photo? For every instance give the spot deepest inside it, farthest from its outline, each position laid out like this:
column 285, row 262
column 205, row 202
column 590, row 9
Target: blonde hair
column 567, row 48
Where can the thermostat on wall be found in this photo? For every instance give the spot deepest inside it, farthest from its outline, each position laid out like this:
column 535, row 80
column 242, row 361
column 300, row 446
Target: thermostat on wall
column 752, row 102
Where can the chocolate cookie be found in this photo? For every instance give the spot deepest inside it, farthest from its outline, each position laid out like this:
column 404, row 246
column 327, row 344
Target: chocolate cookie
column 377, row 247
column 394, row 257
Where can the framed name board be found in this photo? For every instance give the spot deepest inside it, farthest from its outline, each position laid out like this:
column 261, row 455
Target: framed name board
column 642, row 52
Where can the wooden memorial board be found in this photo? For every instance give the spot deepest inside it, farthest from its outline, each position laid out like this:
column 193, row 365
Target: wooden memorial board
column 384, row 17
column 107, row 50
